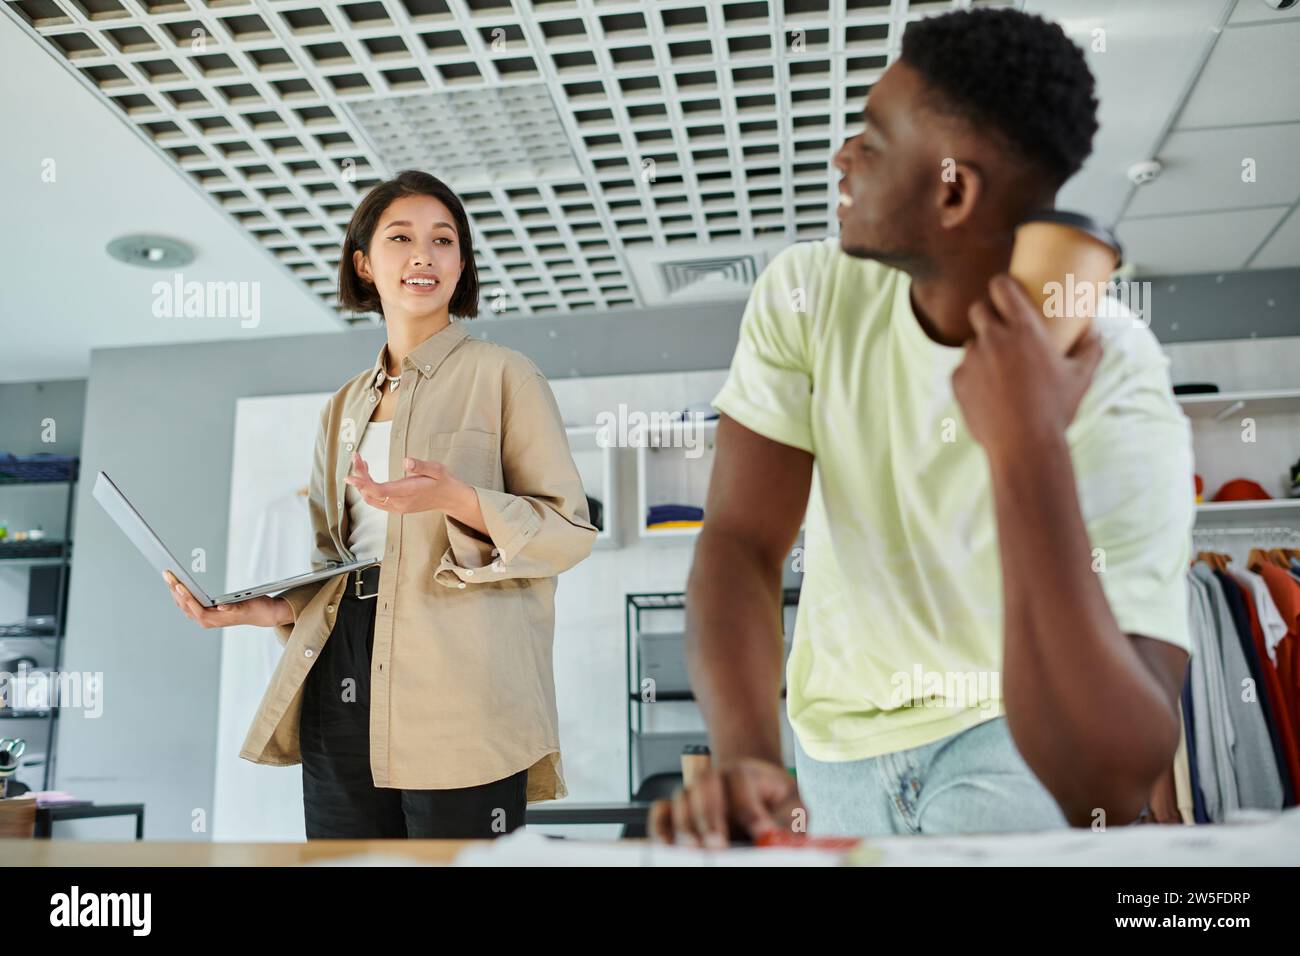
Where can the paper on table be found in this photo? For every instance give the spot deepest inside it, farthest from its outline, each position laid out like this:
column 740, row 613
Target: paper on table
column 1271, row 841
column 371, row 859
column 524, row 848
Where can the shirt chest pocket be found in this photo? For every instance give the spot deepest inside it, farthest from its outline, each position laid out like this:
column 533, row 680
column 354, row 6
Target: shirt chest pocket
column 472, row 456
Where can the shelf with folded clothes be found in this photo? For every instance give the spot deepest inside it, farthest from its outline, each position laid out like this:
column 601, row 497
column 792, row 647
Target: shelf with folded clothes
column 674, row 462
column 597, row 465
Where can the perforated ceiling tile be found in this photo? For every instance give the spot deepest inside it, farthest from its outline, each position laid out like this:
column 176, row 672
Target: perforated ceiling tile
column 582, row 135
column 481, row 137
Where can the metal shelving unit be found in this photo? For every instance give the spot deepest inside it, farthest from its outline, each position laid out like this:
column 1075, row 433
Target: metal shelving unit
column 42, row 470
column 640, row 742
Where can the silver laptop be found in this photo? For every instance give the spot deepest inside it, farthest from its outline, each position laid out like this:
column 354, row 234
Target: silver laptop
column 128, row 519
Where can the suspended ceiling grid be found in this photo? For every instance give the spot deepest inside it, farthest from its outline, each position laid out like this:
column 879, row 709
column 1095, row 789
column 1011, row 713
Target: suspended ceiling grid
column 685, row 123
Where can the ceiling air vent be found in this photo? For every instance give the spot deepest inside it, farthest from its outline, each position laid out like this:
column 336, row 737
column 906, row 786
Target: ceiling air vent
column 473, row 137
column 698, row 274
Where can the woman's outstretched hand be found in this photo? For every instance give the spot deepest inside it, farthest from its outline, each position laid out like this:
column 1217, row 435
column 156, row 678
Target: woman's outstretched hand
column 428, row 486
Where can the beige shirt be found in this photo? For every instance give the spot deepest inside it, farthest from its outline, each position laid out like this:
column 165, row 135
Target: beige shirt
column 462, row 685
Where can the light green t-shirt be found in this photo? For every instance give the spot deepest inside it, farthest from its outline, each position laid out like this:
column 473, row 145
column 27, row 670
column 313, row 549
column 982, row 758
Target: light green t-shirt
column 898, row 639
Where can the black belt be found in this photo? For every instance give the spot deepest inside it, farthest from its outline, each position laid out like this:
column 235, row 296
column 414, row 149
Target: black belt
column 363, row 584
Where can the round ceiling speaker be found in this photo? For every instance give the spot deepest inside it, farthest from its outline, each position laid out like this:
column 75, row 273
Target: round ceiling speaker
column 151, row 252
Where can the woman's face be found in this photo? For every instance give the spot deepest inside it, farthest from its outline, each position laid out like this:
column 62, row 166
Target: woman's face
column 415, row 258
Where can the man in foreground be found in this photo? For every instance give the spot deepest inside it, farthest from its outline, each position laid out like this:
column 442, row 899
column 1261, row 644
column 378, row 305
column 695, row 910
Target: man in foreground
column 992, row 630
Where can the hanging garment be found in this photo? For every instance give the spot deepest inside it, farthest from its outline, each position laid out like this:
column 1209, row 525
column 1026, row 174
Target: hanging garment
column 1252, row 764
column 1282, row 723
column 1270, row 618
column 1285, row 591
column 1240, row 618
column 1199, row 813
column 1215, row 735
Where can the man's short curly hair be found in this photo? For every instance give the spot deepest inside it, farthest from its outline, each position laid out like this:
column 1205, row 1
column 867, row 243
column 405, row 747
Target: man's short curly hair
column 1014, row 73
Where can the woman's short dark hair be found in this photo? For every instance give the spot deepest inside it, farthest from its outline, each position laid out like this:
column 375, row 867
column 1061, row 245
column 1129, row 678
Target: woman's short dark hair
column 357, row 294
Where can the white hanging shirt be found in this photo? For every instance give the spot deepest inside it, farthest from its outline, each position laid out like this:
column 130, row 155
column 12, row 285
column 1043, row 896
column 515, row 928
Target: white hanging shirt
column 1271, row 622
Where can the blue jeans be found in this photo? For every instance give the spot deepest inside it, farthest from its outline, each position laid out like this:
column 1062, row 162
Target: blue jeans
column 974, row 781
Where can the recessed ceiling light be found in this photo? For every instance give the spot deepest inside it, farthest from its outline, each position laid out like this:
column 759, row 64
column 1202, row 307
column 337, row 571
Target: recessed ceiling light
column 151, row 252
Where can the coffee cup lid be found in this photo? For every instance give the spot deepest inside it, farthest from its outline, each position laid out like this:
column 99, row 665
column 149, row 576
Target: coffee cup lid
column 1079, row 221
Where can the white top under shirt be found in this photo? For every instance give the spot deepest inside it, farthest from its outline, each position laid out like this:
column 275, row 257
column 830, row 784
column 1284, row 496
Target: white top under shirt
column 369, row 525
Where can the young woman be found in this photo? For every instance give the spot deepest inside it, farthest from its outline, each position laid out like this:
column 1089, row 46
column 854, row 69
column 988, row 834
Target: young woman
column 419, row 694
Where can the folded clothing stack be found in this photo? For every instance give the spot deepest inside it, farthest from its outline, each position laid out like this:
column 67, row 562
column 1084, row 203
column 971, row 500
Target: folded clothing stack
column 674, row 516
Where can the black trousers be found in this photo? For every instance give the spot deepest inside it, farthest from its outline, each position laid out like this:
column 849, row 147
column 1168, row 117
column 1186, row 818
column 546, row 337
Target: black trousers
column 339, row 797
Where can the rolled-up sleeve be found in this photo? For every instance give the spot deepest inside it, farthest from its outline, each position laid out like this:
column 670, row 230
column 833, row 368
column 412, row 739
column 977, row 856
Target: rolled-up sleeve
column 540, row 525
column 323, row 551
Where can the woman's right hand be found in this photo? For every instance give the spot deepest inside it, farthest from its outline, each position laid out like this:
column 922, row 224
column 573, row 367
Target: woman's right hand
column 263, row 611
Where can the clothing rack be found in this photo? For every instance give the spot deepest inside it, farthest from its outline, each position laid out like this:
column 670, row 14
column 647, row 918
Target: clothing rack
column 1237, row 542
column 1290, row 534
column 1213, row 762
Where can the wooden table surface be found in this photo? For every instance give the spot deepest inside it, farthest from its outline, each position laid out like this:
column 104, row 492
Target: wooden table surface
column 146, row 853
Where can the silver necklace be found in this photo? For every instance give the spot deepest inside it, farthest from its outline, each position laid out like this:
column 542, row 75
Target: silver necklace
column 393, row 380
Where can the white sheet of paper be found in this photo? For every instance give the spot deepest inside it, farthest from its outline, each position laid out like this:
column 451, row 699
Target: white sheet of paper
column 523, row 848
column 1265, row 840
column 1262, row 841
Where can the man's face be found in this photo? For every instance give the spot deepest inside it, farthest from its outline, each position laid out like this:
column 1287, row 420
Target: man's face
column 890, row 171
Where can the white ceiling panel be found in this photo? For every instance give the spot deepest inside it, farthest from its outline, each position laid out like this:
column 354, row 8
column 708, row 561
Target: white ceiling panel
column 1240, row 118
column 1282, row 250
column 1203, row 242
column 1144, row 63
column 1253, row 76
column 1207, row 169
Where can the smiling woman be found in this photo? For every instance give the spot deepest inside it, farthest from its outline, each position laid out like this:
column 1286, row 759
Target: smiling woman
column 447, row 459
column 379, row 264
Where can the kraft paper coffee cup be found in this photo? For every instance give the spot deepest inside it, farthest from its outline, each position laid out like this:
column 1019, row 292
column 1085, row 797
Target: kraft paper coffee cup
column 1056, row 256
column 695, row 758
